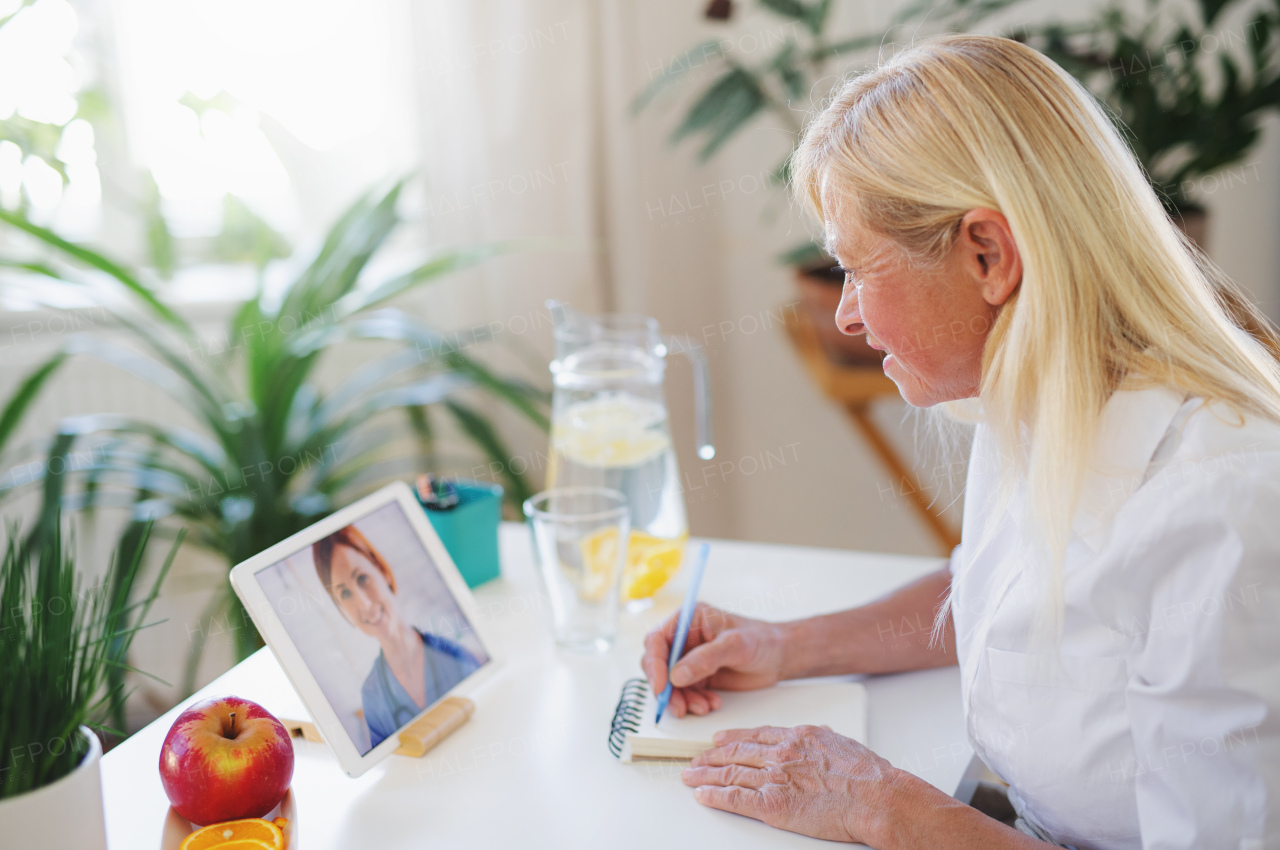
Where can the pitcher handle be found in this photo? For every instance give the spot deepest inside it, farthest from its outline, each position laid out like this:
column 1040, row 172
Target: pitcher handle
column 701, row 391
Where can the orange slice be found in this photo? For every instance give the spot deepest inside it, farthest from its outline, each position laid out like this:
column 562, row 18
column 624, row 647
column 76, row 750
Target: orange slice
column 248, row 834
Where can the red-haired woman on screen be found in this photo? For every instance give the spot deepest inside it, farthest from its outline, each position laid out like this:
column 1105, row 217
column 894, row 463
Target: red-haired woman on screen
column 414, row 668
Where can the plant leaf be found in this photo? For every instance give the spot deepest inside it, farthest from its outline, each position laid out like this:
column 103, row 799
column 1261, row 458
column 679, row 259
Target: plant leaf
column 26, row 394
column 793, row 9
column 346, row 251
column 102, row 263
column 696, row 57
column 447, row 262
column 478, row 429
column 1209, row 10
column 33, row 267
column 817, row 17
column 722, row 110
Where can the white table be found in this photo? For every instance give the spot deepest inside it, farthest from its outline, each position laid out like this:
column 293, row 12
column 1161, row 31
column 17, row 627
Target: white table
column 531, row 768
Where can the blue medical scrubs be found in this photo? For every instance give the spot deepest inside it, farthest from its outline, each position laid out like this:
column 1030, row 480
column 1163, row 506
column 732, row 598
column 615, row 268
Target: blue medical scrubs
column 387, row 706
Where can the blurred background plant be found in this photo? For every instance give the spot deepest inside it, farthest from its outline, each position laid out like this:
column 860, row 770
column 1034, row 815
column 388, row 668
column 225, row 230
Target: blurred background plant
column 65, row 643
column 1188, row 94
column 272, row 451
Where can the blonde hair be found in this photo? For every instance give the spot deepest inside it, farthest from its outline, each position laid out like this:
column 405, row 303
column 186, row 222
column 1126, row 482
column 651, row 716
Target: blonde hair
column 1112, row 293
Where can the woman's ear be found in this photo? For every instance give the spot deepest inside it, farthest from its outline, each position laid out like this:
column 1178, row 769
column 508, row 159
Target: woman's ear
column 989, row 254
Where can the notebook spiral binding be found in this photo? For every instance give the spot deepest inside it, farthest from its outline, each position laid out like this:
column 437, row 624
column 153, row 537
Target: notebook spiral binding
column 626, row 717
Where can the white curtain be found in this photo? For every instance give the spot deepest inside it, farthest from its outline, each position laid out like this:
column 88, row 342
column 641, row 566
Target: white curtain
column 508, row 152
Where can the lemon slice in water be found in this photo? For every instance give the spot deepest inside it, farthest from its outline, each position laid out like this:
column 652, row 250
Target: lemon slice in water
column 611, row 432
column 651, row 562
column 599, row 552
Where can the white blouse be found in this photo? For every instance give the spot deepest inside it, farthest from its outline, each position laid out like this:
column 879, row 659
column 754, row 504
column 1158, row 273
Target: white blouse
column 1157, row 722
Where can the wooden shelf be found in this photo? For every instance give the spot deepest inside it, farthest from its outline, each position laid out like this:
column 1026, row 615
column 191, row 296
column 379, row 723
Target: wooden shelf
column 854, row 387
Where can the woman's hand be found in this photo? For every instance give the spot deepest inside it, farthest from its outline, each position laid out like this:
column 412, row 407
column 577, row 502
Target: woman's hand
column 723, row 651
column 807, row 780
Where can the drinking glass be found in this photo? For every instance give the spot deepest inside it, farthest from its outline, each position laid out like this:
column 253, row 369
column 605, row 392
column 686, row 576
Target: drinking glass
column 580, row 537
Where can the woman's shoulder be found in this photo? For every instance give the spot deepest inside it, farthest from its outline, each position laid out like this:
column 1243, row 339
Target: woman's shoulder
column 1193, row 547
column 1212, row 491
column 1213, row 446
column 1181, row 468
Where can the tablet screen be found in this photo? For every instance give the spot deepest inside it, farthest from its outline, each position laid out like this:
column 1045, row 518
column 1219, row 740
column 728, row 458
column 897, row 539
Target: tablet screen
column 375, row 623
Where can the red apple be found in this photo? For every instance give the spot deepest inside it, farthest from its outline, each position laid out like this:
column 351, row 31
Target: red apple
column 225, row 759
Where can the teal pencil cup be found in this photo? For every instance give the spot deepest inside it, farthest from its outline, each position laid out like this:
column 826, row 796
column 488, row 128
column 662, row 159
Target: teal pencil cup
column 469, row 531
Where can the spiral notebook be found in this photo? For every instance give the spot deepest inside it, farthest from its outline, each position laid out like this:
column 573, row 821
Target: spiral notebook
column 634, row 737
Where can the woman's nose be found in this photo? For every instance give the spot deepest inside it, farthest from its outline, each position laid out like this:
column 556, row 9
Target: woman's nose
column 848, row 315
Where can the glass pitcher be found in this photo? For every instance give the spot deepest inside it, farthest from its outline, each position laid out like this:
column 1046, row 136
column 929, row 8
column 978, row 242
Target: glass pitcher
column 609, row 429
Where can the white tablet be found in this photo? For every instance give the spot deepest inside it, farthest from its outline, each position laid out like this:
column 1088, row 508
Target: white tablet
column 370, row 620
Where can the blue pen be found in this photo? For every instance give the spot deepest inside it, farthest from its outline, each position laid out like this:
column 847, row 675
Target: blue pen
column 682, row 625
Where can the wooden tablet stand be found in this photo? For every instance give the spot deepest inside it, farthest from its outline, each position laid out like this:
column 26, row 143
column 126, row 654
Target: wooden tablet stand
column 418, row 737
column 421, row 735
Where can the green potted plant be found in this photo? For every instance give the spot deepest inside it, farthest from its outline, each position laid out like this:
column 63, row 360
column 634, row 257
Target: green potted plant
column 1188, row 93
column 1152, row 70
column 272, row 450
column 61, row 638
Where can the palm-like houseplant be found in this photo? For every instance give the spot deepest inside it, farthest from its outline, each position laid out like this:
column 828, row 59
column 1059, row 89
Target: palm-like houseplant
column 272, row 451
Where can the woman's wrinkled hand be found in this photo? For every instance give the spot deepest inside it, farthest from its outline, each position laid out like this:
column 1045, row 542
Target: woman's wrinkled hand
column 722, row 651
column 807, row 779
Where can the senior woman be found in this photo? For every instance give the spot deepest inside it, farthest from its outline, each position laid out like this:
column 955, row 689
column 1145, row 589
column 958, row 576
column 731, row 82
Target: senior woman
column 1114, row 605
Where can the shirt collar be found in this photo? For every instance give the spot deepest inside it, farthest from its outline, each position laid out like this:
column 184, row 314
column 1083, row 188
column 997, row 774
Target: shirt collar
column 1131, row 427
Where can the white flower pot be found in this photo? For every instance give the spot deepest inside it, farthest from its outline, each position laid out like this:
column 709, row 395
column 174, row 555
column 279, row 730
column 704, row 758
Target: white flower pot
column 65, row 814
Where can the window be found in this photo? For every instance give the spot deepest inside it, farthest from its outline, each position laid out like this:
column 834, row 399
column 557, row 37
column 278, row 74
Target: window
column 223, row 116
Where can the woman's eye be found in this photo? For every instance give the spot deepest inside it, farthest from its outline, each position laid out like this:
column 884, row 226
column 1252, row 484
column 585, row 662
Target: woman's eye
column 344, row 593
column 362, row 580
